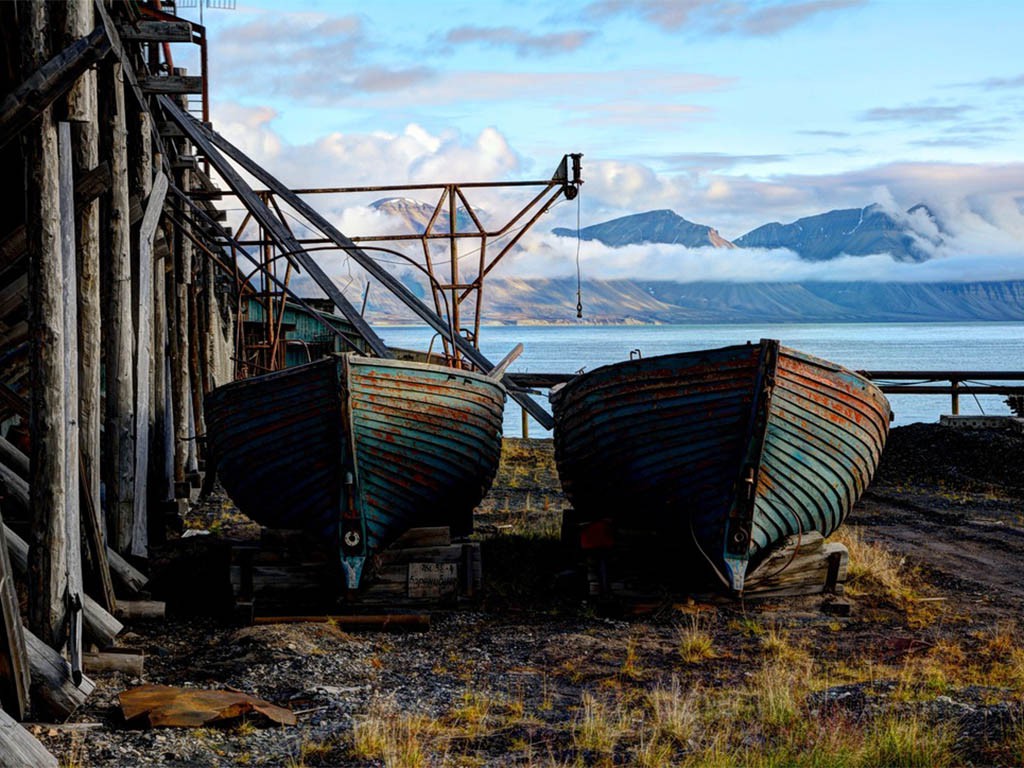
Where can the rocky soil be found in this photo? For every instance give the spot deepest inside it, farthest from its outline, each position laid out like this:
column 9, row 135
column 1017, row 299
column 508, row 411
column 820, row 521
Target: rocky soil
column 927, row 668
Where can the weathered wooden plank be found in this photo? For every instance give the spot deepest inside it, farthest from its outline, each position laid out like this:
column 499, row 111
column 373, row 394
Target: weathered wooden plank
column 49, row 82
column 14, row 680
column 88, row 189
column 53, row 689
column 119, row 328
column 14, row 459
column 156, row 31
column 72, row 519
column 129, row 73
column 147, row 232
column 12, row 295
column 177, row 85
column 128, row 576
column 131, row 610
column 19, row 748
column 97, row 551
column 435, row 536
column 803, row 565
column 48, row 492
column 126, row 663
column 98, row 623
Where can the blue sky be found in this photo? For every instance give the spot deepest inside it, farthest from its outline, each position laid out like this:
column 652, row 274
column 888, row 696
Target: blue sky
column 730, row 113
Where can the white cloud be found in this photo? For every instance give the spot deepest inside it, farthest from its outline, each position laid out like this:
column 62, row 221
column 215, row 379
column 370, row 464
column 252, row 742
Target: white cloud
column 982, row 224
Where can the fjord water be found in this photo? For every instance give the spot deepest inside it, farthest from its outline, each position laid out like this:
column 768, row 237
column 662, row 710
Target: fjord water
column 859, row 346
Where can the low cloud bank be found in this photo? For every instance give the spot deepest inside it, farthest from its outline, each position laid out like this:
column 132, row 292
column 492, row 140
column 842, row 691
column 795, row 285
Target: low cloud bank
column 977, row 232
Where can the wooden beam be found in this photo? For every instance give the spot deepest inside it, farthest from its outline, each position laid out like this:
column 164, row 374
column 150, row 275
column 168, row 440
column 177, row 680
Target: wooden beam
column 98, row 553
column 147, row 234
column 12, row 457
column 156, row 31
column 54, row 692
column 119, row 328
column 210, row 141
column 131, row 664
column 99, row 624
column 83, row 109
column 129, row 73
column 177, row 85
column 277, row 230
column 133, row 610
column 49, row 82
column 48, row 491
column 19, row 747
column 170, row 131
column 14, row 671
column 72, row 517
column 88, row 189
column 128, row 576
column 13, row 400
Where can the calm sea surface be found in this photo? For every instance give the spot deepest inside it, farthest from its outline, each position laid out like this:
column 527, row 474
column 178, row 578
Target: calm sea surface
column 867, row 346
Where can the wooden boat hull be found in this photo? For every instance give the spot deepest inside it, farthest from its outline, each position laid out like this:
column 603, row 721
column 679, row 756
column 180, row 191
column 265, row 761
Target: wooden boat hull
column 356, row 450
column 731, row 449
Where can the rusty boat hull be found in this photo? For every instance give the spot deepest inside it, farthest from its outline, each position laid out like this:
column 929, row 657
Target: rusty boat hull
column 729, row 450
column 356, row 450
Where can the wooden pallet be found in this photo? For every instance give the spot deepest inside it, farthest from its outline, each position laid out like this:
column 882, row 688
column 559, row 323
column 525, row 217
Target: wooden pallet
column 286, row 574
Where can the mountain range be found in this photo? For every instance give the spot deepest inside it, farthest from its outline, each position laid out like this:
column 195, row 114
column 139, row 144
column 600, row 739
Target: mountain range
column 855, row 231
column 553, row 301
column 851, row 231
column 662, row 226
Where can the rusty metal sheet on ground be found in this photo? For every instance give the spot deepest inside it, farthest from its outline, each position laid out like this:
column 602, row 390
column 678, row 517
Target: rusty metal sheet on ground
column 166, row 706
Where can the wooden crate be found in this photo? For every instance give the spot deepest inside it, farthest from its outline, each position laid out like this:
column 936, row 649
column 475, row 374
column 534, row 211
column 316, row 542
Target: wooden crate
column 287, row 574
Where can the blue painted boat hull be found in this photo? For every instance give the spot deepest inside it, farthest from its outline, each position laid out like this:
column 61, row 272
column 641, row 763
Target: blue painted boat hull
column 357, row 450
column 728, row 450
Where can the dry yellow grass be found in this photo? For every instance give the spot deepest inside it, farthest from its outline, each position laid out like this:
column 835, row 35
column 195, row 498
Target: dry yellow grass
column 695, row 642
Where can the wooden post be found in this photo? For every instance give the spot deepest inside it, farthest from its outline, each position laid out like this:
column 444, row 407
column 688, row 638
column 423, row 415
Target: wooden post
column 120, row 336
column 160, row 488
column 526, row 423
column 180, row 363
column 14, row 682
column 47, row 580
column 147, row 232
column 72, row 518
column 955, row 397
column 83, row 114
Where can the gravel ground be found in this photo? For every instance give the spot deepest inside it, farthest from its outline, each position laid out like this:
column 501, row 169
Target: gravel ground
column 507, row 682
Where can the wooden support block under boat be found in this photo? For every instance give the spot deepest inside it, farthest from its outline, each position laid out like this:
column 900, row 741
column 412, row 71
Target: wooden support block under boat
column 422, row 569
column 803, row 565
